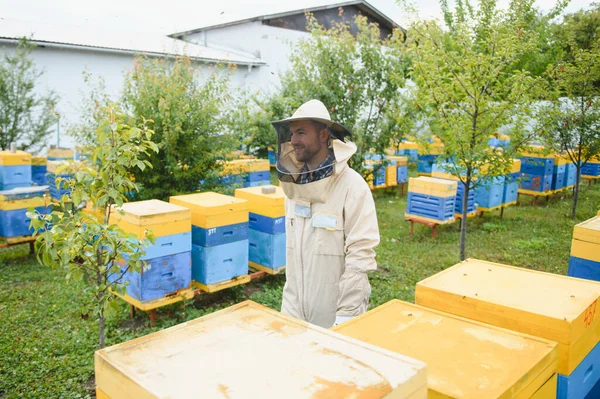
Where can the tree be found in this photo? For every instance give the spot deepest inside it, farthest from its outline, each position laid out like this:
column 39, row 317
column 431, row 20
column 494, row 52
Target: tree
column 191, row 123
column 572, row 119
column 85, row 243
column 465, row 75
column 26, row 117
column 357, row 77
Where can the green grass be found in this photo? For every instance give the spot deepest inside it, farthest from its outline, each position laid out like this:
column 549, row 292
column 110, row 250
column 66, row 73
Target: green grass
column 47, row 338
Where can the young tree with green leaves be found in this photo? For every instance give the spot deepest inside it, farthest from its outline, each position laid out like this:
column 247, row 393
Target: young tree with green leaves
column 85, row 243
column 26, row 117
column 466, row 77
column 572, row 119
column 191, row 123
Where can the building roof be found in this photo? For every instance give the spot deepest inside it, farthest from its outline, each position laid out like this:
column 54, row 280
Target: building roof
column 117, row 41
column 271, row 10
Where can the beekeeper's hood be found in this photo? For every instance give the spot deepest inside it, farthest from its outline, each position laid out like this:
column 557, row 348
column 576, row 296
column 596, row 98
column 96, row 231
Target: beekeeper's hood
column 291, row 171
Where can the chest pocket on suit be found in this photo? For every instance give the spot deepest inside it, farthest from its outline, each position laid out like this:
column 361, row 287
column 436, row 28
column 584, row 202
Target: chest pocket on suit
column 329, row 233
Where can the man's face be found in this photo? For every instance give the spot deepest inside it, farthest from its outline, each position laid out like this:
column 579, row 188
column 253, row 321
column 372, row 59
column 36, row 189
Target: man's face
column 307, row 140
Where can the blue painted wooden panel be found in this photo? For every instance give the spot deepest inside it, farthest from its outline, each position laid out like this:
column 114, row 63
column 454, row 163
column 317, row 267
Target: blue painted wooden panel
column 510, row 192
column 591, row 169
column 541, row 183
column 169, row 245
column 15, row 223
column 266, row 224
column 258, row 176
column 489, row 195
column 430, row 206
column 584, row 268
column 38, row 175
column 25, row 193
column 267, row 249
column 537, row 166
column 374, row 157
column 570, row 175
column 413, row 155
column 11, row 175
column 425, row 163
column 57, row 191
column 257, row 183
column 160, row 277
column 219, row 235
column 581, row 381
column 459, row 199
column 272, row 157
column 212, row 265
column 402, row 174
column 594, row 392
column 558, row 181
column 59, row 158
column 379, row 177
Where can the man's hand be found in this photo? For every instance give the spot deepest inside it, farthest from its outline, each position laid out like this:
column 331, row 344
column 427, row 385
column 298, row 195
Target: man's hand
column 342, row 319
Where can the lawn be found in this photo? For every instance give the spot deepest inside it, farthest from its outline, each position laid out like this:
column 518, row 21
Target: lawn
column 47, row 336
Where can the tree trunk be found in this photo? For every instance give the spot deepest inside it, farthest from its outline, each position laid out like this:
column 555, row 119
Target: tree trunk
column 101, row 326
column 576, row 192
column 463, row 221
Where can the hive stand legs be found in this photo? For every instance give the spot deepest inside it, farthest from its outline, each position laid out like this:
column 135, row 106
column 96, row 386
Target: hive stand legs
column 152, row 314
column 502, row 213
column 132, row 311
column 31, row 247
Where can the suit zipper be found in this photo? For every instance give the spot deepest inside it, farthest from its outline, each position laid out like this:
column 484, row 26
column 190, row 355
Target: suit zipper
column 302, row 269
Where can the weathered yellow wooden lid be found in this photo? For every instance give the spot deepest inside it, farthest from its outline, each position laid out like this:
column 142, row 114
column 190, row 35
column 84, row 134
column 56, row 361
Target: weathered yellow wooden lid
column 17, row 158
column 224, row 354
column 142, row 213
column 537, row 151
column 588, row 231
column 551, row 306
column 465, row 358
column 210, row 203
column 401, row 160
column 408, row 145
column 432, row 182
column 38, row 160
column 515, row 166
column 66, row 153
column 255, row 195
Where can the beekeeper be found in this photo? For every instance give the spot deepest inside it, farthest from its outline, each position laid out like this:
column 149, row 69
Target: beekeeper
column 331, row 222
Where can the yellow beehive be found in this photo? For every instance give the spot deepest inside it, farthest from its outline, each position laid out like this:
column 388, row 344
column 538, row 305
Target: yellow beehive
column 408, row 145
column 211, row 210
column 401, row 160
column 504, row 137
column 9, row 203
column 267, row 201
column 435, row 148
column 161, row 217
column 61, row 153
column 515, row 167
column 550, row 306
column 465, row 358
column 215, row 356
column 391, row 175
column 432, row 186
column 586, row 240
column 239, row 166
column 38, row 160
column 18, row 158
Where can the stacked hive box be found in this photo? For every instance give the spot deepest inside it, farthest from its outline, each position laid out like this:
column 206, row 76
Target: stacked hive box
column 536, row 171
column 431, row 199
column 266, row 227
column 167, row 266
column 465, row 359
column 510, row 193
column 377, row 175
column 401, row 168
column 504, row 141
column 61, row 154
column 409, row 149
column 271, row 156
column 81, row 154
column 550, row 306
column 489, row 194
column 39, row 170
column 247, row 172
column 494, row 141
column 391, row 173
column 56, row 169
column 585, row 250
column 14, row 205
column 591, row 169
column 442, row 170
column 308, row 362
column 570, row 174
column 219, row 237
column 15, row 170
column 558, row 173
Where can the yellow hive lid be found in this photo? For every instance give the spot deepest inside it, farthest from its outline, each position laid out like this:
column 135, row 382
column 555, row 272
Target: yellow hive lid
column 504, row 137
column 408, row 145
column 560, row 160
column 210, row 203
column 57, row 167
column 61, row 152
column 537, row 151
column 515, row 166
column 588, row 231
column 256, row 195
column 311, row 362
column 465, row 358
column 401, row 160
column 138, row 213
column 38, row 160
column 432, row 182
column 546, row 305
column 17, row 158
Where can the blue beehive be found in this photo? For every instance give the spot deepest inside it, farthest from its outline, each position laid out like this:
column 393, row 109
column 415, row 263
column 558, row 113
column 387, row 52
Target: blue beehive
column 272, row 157
column 38, row 171
column 431, row 198
column 558, row 177
column 219, row 237
column 540, row 183
column 489, row 195
column 510, row 193
column 570, row 174
column 14, row 205
column 537, row 165
column 15, row 169
column 425, row 163
column 591, row 169
column 267, row 227
column 402, row 174
column 582, row 381
column 458, row 205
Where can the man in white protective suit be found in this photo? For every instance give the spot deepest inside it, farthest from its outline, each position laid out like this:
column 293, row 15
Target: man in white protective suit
column 331, row 222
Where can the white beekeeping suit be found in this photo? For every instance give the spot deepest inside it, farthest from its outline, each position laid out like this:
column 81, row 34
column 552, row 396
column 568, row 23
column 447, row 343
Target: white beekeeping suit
column 331, row 227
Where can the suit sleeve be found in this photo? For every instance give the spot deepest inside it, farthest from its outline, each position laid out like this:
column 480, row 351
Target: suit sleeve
column 361, row 234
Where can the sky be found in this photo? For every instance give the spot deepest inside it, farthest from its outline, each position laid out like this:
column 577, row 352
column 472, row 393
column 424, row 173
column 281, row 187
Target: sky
column 179, row 15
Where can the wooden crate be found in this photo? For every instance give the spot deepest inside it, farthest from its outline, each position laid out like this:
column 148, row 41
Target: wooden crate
column 250, row 351
column 161, row 217
column 465, row 358
column 554, row 307
column 210, row 210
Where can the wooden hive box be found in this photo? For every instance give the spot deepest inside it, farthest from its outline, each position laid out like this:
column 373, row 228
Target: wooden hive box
column 249, row 351
column 18, row 158
column 270, row 204
column 163, row 218
column 465, row 358
column 210, row 210
column 432, row 186
column 550, row 306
